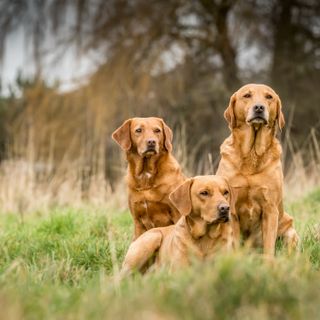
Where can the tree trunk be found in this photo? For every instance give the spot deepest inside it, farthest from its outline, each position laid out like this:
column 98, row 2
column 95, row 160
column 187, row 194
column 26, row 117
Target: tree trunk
column 219, row 13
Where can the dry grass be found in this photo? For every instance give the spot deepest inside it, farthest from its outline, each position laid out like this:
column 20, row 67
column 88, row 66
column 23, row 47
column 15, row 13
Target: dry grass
column 24, row 189
column 30, row 185
column 303, row 172
column 59, row 153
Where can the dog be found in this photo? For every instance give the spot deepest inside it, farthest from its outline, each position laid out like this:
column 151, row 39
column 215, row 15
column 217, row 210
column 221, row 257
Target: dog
column 204, row 203
column 251, row 160
column 153, row 173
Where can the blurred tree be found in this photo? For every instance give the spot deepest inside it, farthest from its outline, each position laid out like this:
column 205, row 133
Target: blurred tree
column 145, row 28
column 178, row 59
column 296, row 60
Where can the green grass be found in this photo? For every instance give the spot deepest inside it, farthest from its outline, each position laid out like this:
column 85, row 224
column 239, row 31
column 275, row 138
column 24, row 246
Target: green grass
column 61, row 266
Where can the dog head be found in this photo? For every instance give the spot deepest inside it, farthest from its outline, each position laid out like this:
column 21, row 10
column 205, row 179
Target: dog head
column 147, row 136
column 254, row 105
column 204, row 197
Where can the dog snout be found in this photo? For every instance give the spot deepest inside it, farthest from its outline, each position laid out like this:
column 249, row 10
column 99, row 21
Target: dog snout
column 223, row 209
column 259, row 108
column 151, row 143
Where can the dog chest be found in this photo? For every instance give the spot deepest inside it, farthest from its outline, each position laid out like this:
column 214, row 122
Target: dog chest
column 152, row 214
column 249, row 208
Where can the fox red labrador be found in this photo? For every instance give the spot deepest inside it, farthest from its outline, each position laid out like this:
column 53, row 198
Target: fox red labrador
column 153, row 172
column 251, row 160
column 205, row 203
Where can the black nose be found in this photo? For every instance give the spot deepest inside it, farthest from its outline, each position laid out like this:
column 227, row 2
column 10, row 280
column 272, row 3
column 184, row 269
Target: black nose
column 151, row 143
column 259, row 108
column 223, row 209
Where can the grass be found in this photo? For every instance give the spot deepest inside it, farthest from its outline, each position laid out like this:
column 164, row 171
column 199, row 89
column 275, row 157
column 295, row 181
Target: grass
column 61, row 265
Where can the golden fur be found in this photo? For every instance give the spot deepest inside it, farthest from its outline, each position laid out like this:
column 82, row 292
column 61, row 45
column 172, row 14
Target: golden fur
column 202, row 230
column 153, row 173
column 251, row 160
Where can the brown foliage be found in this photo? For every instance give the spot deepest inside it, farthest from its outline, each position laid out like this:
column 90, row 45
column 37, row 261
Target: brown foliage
column 208, row 40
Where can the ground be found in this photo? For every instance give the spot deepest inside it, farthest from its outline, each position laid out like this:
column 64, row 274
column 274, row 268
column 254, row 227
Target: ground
column 61, row 265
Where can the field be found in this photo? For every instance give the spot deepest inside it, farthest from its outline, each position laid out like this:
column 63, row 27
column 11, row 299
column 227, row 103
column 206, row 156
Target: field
column 61, row 265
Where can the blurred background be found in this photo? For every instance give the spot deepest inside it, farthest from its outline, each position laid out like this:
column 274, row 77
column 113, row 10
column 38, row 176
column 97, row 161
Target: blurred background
column 73, row 70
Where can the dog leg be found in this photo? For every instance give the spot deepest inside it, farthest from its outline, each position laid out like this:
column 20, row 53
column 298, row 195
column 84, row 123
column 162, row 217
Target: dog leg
column 236, row 231
column 139, row 228
column 288, row 232
column 270, row 218
column 140, row 251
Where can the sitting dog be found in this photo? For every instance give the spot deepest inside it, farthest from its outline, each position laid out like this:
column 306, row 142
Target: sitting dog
column 153, row 173
column 251, row 160
column 203, row 229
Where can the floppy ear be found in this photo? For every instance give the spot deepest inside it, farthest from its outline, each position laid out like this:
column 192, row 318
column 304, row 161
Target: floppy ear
column 122, row 135
column 181, row 197
column 229, row 113
column 280, row 117
column 167, row 133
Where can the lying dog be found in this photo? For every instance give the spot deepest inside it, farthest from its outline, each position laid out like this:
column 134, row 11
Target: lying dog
column 153, row 173
column 204, row 204
column 251, row 159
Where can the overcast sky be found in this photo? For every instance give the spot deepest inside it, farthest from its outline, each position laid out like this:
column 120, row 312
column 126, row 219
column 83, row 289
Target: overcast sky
column 70, row 69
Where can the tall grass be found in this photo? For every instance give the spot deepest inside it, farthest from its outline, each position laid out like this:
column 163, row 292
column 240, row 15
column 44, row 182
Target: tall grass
column 303, row 171
column 28, row 184
column 62, row 265
column 63, row 244
column 23, row 191
column 56, row 149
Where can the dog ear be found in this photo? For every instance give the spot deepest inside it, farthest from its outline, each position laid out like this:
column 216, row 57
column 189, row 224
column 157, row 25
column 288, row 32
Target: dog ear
column 168, row 136
column 229, row 112
column 181, row 198
column 122, row 135
column 280, row 117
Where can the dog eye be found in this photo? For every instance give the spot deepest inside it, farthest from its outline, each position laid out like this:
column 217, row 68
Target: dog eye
column 157, row 130
column 204, row 193
column 226, row 193
column 138, row 130
column 269, row 96
column 247, row 95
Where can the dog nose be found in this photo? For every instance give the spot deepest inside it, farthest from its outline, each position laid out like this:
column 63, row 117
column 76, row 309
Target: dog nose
column 259, row 108
column 223, row 209
column 151, row 143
